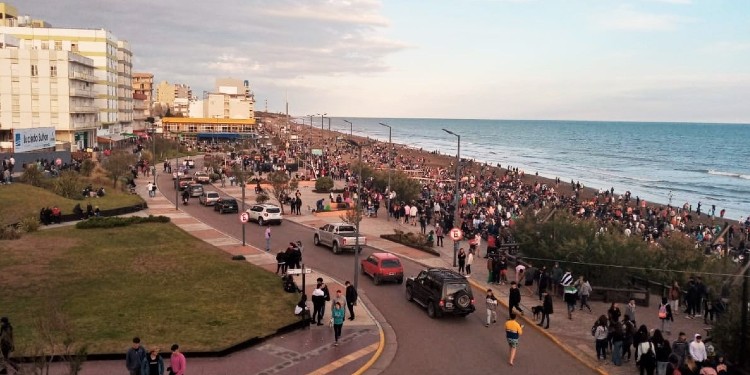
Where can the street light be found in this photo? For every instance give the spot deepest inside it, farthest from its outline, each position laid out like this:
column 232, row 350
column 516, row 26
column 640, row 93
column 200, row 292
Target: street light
column 455, row 199
column 351, row 127
column 388, row 201
column 358, row 214
column 321, row 120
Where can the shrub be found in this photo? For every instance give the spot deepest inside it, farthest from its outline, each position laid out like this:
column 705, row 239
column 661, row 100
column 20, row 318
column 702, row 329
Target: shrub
column 323, row 184
column 116, row 221
column 68, row 185
column 87, row 167
column 32, row 175
column 9, row 232
column 262, row 198
column 29, row 224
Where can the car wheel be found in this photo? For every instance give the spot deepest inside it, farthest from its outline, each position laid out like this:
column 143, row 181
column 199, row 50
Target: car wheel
column 432, row 310
column 463, row 300
column 335, row 248
column 260, row 221
column 316, row 240
column 376, row 279
column 408, row 295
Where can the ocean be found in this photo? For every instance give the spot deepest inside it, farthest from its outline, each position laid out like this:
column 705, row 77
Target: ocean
column 659, row 162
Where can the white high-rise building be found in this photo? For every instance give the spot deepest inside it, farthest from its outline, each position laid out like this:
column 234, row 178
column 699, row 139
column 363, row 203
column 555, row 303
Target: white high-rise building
column 112, row 62
column 43, row 88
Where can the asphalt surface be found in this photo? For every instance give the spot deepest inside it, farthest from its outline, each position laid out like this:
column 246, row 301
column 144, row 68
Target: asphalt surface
column 450, row 345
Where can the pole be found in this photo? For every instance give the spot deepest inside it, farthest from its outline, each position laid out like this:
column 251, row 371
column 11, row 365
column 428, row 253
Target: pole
column 321, row 120
column 329, row 124
column 390, row 147
column 358, row 214
column 455, row 198
column 351, row 127
column 243, row 209
column 177, row 182
column 743, row 307
column 153, row 139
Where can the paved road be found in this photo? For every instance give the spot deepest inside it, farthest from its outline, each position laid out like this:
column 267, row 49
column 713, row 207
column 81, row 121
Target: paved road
column 444, row 346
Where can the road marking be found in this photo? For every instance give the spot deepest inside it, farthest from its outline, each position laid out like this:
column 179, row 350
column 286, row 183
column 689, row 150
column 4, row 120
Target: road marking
column 333, row 366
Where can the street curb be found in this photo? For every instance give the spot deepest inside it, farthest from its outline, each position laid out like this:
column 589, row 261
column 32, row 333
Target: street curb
column 585, row 361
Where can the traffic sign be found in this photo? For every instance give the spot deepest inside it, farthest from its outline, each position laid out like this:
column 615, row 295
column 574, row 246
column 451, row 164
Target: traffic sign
column 456, row 234
column 244, row 217
column 297, row 271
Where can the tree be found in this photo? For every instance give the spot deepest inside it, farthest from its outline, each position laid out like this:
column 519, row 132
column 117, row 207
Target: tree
column 118, row 165
column 353, row 217
column 323, row 184
column 281, row 186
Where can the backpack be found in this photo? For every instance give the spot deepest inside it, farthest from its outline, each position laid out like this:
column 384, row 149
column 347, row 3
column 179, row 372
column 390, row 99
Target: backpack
column 648, row 359
column 663, row 311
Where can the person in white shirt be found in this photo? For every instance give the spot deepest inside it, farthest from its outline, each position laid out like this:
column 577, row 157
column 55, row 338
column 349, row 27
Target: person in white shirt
column 697, row 350
column 520, row 269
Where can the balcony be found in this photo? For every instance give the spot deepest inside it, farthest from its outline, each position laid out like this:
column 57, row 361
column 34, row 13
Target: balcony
column 83, row 109
column 83, row 76
column 83, row 124
column 82, row 93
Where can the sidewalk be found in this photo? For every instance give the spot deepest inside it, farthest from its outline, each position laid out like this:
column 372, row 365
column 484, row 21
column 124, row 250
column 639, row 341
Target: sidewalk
column 303, row 351
column 573, row 335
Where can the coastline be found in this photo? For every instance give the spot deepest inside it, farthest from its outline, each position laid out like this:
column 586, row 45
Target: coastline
column 321, row 139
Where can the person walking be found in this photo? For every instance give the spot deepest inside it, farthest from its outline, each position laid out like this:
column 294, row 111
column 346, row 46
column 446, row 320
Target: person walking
column 680, row 348
column 351, row 298
column 513, row 332
column 601, row 333
column 491, row 301
column 153, row 364
column 440, row 235
column 645, row 357
column 663, row 350
column 469, row 261
column 319, row 302
column 177, row 361
column 338, row 321
column 665, row 315
column 150, row 187
column 697, row 350
column 461, row 261
column 584, row 291
column 338, row 298
column 675, row 293
column 268, row 238
column 630, row 310
column 542, row 282
column 569, row 296
column 281, row 263
column 134, row 357
column 618, row 338
column 514, row 298
column 546, row 309
column 7, row 345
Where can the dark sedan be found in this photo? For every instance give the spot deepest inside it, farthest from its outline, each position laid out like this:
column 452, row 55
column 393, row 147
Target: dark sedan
column 224, row 205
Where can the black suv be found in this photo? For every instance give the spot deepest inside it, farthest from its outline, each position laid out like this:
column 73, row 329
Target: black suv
column 226, row 205
column 441, row 291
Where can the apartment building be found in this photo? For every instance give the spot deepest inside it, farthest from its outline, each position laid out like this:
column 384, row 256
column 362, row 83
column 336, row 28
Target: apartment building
column 111, row 58
column 143, row 84
column 175, row 97
column 47, row 87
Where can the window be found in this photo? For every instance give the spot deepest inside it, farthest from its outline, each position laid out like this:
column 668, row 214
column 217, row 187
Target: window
column 45, row 44
column 53, row 71
column 34, row 71
column 58, row 45
column 74, row 47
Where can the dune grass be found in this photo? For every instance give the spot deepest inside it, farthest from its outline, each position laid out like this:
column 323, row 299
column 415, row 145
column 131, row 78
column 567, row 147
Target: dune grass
column 20, row 200
column 149, row 280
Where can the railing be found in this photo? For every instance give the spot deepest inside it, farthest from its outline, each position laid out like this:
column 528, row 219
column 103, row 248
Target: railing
column 83, row 76
column 82, row 93
column 83, row 109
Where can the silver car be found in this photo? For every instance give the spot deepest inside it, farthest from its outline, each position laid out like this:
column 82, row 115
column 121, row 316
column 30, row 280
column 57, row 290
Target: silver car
column 208, row 198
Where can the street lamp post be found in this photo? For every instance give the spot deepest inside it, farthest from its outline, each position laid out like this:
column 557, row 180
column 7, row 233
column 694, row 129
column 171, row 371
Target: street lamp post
column 243, row 205
column 322, row 116
column 351, row 127
column 358, row 214
column 177, row 181
column 153, row 140
column 455, row 199
column 388, row 198
column 329, row 124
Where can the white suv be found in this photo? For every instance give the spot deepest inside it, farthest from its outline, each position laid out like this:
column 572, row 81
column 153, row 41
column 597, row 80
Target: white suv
column 264, row 213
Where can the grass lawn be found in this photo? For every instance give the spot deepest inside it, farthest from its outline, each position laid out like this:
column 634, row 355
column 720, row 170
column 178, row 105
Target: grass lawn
column 149, row 280
column 20, row 200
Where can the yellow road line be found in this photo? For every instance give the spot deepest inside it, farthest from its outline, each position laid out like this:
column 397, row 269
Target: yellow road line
column 377, row 354
column 333, row 366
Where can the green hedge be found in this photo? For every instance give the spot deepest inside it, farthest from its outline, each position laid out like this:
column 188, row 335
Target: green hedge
column 116, row 221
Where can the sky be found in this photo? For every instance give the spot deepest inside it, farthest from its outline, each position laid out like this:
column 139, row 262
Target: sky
column 627, row 60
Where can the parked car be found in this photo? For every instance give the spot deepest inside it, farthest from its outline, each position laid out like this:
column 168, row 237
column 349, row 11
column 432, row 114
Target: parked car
column 201, row 177
column 265, row 213
column 224, row 205
column 338, row 236
column 383, row 267
column 441, row 291
column 208, row 198
column 195, row 190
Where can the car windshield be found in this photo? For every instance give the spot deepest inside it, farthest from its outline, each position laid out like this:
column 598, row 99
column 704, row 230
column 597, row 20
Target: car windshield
column 273, row 210
column 212, row 195
column 451, row 289
column 391, row 263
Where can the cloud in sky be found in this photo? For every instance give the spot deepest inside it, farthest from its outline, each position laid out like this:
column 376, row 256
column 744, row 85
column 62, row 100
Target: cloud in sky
column 525, row 59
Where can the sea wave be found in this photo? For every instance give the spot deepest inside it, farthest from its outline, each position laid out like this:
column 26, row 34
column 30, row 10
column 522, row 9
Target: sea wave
column 728, row 174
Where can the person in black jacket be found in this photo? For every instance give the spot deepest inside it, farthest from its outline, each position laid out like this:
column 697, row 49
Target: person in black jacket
column 546, row 309
column 351, row 298
column 514, row 298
